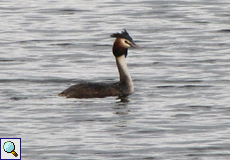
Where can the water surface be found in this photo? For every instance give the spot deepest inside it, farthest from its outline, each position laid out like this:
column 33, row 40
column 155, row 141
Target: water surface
column 180, row 108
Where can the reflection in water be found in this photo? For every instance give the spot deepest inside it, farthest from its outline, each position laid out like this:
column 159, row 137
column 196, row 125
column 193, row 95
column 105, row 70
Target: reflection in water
column 122, row 123
column 121, row 107
column 181, row 106
column 123, row 99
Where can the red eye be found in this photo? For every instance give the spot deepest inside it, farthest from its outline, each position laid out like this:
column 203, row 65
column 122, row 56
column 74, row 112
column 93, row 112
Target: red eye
column 127, row 42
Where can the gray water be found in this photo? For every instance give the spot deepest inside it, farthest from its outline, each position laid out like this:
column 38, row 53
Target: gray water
column 181, row 105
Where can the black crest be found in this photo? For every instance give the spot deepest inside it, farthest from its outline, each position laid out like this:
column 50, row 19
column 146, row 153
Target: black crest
column 124, row 34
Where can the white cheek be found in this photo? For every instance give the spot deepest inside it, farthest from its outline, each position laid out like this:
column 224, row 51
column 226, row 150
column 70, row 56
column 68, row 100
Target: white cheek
column 125, row 44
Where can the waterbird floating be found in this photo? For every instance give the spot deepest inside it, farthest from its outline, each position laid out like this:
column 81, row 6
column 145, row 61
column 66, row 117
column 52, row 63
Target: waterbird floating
column 122, row 88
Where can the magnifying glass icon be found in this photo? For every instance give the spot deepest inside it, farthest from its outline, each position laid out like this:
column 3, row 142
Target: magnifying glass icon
column 9, row 147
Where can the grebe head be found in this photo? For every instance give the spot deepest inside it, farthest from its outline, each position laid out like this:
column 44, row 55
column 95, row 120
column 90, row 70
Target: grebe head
column 122, row 43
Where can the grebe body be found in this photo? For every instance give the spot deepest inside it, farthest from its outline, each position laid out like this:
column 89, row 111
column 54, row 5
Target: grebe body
column 100, row 90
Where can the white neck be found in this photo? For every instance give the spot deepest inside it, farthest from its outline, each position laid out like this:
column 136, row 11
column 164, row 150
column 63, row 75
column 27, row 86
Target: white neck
column 125, row 78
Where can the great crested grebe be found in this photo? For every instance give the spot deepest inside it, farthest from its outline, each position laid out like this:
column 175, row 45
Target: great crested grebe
column 100, row 90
